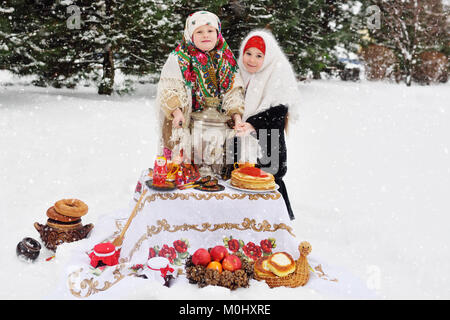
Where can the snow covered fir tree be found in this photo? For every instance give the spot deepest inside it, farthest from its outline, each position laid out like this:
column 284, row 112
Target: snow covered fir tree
column 417, row 33
column 65, row 42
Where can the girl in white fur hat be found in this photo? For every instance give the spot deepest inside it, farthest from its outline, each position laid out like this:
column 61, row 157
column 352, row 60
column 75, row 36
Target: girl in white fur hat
column 271, row 94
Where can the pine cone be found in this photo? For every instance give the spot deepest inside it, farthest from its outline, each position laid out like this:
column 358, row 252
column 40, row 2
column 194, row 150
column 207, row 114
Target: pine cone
column 195, row 274
column 188, row 262
column 248, row 267
column 226, row 279
column 212, row 277
column 240, row 279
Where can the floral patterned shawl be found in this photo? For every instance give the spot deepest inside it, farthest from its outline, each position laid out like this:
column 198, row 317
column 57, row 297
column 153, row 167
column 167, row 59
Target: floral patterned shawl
column 208, row 74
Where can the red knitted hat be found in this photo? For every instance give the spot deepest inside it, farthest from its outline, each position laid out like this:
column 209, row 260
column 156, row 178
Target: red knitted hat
column 256, row 42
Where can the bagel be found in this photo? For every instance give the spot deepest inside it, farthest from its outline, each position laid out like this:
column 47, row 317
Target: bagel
column 64, row 225
column 54, row 215
column 71, row 207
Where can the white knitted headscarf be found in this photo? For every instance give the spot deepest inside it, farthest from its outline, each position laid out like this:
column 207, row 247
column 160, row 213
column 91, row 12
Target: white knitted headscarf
column 198, row 19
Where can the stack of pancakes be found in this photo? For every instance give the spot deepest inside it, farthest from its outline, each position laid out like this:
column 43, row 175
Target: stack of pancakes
column 252, row 178
column 67, row 221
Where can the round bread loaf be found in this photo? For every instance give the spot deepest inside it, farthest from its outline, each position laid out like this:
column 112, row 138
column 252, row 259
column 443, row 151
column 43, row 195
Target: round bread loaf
column 281, row 263
column 261, row 269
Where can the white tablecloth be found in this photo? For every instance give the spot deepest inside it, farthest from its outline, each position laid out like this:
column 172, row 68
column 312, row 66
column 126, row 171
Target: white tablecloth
column 258, row 221
column 174, row 224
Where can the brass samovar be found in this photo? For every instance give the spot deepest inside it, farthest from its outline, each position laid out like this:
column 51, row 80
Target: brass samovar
column 209, row 132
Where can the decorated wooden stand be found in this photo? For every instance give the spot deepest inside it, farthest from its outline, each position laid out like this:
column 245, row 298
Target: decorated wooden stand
column 64, row 223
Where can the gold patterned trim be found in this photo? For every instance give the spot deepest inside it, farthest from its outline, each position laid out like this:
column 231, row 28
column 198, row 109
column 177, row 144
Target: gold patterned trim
column 208, row 196
column 246, row 224
column 92, row 284
column 321, row 274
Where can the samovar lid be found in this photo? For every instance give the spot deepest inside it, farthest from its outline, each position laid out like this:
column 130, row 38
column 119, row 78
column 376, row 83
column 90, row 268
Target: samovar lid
column 210, row 113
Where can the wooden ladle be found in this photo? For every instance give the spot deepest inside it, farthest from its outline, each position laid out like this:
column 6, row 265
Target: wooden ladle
column 117, row 242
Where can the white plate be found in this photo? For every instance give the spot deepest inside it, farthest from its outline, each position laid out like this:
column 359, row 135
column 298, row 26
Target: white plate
column 228, row 184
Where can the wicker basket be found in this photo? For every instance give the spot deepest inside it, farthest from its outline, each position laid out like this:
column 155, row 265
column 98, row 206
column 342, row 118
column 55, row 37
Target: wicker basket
column 296, row 279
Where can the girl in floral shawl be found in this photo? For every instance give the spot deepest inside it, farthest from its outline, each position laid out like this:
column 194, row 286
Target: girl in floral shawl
column 202, row 68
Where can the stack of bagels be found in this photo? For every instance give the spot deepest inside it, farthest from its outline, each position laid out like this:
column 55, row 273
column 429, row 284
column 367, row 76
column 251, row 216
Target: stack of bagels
column 64, row 223
column 66, row 214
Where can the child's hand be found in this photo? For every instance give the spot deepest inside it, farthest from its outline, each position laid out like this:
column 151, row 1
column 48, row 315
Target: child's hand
column 244, row 129
column 239, row 125
column 237, row 120
column 178, row 118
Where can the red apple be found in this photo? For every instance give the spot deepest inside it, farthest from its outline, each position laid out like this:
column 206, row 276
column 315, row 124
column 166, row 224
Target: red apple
column 231, row 263
column 201, row 257
column 218, row 253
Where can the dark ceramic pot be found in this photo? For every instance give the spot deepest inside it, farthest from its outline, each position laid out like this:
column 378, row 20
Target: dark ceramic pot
column 28, row 249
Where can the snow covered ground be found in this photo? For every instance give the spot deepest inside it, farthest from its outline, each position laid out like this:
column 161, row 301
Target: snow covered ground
column 369, row 177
